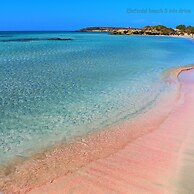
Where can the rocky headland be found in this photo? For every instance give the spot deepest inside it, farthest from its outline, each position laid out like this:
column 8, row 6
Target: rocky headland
column 159, row 30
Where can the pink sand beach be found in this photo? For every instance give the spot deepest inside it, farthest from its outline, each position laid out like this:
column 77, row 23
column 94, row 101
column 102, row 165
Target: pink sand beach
column 151, row 154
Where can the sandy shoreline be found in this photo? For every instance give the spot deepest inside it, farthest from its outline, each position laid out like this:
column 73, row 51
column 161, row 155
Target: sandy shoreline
column 145, row 155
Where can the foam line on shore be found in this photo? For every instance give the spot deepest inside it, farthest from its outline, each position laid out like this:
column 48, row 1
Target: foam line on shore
column 173, row 73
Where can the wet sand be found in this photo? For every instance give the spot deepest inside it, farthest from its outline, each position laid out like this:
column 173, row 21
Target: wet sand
column 149, row 154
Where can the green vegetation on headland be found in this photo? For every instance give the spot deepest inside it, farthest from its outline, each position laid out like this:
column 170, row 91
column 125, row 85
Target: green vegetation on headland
column 180, row 30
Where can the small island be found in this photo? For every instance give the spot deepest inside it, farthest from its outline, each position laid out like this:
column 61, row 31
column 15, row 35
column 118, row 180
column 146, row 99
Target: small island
column 159, row 30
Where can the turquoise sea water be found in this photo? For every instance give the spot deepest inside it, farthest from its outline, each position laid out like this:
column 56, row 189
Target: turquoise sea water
column 52, row 91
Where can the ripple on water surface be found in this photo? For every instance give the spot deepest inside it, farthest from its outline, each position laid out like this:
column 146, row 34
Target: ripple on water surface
column 52, row 91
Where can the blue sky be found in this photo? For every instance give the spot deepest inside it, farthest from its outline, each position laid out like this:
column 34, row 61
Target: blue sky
column 75, row 14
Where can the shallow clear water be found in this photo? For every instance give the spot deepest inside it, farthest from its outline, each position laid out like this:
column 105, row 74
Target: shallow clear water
column 52, row 91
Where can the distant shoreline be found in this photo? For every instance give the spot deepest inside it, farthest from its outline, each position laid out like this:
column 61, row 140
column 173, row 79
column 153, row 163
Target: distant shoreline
column 160, row 30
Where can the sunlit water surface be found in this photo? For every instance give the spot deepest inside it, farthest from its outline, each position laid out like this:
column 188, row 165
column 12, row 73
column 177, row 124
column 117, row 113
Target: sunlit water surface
column 53, row 91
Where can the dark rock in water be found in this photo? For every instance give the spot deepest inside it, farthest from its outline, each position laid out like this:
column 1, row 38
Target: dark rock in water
column 62, row 39
column 35, row 39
